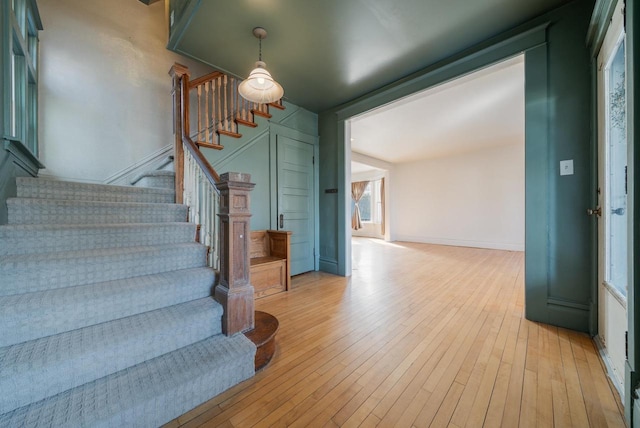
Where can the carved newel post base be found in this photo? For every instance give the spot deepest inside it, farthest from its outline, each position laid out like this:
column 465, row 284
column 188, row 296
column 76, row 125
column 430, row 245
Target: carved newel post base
column 234, row 291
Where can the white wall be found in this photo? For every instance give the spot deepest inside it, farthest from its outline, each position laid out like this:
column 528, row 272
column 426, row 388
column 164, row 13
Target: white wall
column 474, row 199
column 104, row 89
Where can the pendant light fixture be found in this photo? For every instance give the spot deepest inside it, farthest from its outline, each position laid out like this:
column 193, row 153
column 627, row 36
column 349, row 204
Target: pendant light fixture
column 260, row 87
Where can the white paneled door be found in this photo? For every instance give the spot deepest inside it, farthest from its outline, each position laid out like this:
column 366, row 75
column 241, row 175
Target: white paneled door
column 296, row 210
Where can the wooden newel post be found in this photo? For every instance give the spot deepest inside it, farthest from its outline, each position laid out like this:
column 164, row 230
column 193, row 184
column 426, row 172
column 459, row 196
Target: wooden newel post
column 234, row 291
column 180, row 76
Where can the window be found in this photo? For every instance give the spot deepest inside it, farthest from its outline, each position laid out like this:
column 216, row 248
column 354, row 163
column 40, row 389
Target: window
column 370, row 204
column 19, row 30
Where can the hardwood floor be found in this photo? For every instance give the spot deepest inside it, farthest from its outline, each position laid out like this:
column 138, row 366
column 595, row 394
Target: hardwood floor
column 421, row 335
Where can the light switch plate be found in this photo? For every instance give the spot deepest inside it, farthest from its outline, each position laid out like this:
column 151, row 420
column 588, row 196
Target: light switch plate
column 566, row 167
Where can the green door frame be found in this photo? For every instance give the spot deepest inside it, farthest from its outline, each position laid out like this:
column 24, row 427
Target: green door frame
column 557, row 91
column 541, row 306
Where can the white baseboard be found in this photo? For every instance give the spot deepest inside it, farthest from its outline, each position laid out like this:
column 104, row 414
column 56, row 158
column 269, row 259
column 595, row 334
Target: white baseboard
column 461, row 243
column 150, row 162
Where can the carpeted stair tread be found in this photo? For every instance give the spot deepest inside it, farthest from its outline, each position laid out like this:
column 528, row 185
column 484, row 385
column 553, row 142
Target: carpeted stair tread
column 106, row 314
column 29, row 187
column 30, row 316
column 33, row 370
column 148, row 394
column 53, row 211
column 156, row 178
column 43, row 238
column 28, row 273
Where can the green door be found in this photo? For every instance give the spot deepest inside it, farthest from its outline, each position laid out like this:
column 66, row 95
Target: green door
column 295, row 200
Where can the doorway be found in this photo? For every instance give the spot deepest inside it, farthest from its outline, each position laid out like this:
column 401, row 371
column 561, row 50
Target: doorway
column 454, row 159
column 612, row 201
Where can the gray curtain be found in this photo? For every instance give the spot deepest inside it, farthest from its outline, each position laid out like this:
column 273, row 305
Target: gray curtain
column 357, row 190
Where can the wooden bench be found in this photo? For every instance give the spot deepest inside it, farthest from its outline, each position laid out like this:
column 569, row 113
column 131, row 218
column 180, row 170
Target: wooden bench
column 270, row 261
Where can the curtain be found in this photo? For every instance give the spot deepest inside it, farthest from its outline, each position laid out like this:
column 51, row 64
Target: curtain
column 357, row 190
column 382, row 219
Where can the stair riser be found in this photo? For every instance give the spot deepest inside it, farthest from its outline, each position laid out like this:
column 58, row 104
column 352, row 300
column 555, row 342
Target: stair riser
column 101, row 350
column 149, row 394
column 34, row 315
column 41, row 273
column 34, row 239
column 159, row 182
column 42, row 211
column 104, row 193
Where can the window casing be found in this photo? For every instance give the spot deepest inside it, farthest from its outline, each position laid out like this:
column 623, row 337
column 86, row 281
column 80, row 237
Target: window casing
column 19, row 26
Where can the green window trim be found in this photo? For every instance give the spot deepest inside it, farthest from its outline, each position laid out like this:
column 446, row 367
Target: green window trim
column 19, row 26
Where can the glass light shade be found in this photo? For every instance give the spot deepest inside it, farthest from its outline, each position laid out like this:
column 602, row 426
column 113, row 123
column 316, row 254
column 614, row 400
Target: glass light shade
column 260, row 87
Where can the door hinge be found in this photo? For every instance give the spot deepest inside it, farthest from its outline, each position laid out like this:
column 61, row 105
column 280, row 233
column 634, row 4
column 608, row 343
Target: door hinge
column 624, row 15
column 313, row 160
column 625, row 179
column 626, row 345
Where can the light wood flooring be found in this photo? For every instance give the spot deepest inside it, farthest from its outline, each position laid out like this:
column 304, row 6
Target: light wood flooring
column 420, row 335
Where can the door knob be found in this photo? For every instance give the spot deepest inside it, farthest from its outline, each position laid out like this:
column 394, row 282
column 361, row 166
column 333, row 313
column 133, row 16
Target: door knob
column 281, row 221
column 597, row 211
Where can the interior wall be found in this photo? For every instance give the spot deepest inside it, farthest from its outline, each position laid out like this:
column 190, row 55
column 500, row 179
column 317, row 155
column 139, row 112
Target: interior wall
column 104, row 89
column 474, row 199
column 255, row 154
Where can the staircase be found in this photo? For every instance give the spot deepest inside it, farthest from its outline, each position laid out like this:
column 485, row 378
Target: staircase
column 106, row 308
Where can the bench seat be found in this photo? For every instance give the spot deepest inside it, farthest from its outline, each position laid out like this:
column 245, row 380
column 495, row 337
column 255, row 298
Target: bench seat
column 270, row 262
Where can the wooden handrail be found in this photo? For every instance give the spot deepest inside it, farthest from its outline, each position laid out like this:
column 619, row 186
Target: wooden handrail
column 206, row 78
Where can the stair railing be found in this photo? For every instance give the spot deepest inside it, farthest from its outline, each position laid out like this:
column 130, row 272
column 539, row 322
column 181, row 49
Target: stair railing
column 218, row 204
column 216, row 108
column 202, row 198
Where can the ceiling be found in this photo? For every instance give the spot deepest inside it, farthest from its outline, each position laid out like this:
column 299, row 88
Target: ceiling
column 328, row 52
column 482, row 109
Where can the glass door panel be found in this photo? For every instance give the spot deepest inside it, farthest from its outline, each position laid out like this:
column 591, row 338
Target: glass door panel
column 616, row 172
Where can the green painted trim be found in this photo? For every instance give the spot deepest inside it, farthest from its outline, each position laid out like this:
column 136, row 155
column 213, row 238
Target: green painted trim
column 537, row 186
column 328, row 265
column 176, row 32
column 602, row 13
column 344, row 199
column 22, row 155
column 5, row 68
column 273, row 178
column 482, row 55
column 36, row 14
column 567, row 304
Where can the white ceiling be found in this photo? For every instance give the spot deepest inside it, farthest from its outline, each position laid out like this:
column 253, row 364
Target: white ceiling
column 482, row 109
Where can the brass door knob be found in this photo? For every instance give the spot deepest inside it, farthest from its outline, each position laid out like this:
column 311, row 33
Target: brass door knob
column 597, row 211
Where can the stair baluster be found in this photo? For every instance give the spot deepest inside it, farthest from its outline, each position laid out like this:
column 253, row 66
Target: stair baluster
column 203, row 200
